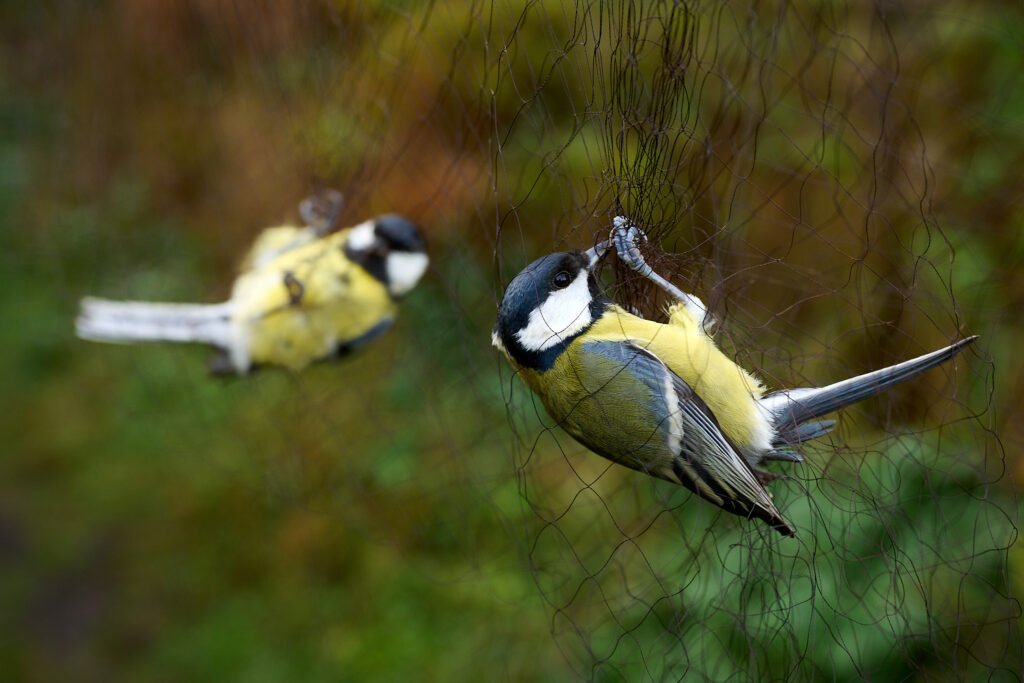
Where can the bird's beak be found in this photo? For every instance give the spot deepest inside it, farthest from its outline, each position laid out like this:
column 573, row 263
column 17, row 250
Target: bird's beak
column 596, row 252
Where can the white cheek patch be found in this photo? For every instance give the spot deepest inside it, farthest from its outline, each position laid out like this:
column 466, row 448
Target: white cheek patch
column 362, row 237
column 564, row 313
column 404, row 271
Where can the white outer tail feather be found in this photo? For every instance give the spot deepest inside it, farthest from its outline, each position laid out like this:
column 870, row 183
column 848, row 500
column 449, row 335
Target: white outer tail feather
column 139, row 321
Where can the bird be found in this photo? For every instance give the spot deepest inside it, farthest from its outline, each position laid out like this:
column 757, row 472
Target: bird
column 303, row 294
column 662, row 398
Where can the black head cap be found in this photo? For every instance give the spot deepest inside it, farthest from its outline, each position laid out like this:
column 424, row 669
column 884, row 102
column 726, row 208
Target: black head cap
column 398, row 234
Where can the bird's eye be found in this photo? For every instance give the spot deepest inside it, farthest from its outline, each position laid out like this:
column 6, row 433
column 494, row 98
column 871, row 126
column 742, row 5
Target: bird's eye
column 562, row 279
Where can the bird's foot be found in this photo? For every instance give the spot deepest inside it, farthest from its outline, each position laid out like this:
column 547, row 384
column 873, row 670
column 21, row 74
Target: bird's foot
column 627, row 238
column 322, row 210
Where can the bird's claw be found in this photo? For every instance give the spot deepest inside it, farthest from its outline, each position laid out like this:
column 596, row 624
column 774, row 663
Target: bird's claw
column 321, row 211
column 627, row 238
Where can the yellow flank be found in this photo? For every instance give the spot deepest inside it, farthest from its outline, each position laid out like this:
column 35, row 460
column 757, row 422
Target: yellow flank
column 305, row 302
column 728, row 390
column 272, row 242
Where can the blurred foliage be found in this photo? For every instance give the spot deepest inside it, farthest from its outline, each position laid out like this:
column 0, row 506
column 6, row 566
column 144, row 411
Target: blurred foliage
column 840, row 179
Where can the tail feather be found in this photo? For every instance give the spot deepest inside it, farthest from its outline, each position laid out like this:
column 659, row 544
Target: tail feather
column 138, row 321
column 790, row 409
column 804, row 432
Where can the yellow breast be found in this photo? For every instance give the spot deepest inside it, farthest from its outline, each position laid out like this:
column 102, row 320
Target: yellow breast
column 303, row 304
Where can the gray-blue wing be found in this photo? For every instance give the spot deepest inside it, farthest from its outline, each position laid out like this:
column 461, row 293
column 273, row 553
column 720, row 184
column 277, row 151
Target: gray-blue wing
column 704, row 461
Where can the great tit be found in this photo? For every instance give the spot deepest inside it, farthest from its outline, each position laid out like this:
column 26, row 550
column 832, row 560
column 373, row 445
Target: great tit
column 302, row 295
column 662, row 398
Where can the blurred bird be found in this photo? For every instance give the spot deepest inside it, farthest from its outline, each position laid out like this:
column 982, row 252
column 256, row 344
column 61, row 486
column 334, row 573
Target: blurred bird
column 303, row 295
column 663, row 398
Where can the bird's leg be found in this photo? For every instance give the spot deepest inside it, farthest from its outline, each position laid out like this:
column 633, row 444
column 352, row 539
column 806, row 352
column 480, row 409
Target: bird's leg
column 627, row 237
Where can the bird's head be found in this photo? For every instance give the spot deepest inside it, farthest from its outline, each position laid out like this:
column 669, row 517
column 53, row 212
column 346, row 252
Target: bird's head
column 550, row 303
column 391, row 249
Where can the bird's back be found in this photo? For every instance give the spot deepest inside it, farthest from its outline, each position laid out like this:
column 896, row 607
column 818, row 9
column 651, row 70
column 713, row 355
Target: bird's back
column 604, row 405
column 728, row 390
column 622, row 402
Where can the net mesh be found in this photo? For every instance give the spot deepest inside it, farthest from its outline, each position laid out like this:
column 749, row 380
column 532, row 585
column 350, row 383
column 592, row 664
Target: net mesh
column 837, row 181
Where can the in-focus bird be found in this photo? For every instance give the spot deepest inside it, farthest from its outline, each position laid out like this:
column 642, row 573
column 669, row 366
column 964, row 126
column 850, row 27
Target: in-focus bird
column 303, row 295
column 662, row 398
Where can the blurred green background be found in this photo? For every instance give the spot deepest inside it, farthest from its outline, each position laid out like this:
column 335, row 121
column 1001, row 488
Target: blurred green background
column 840, row 181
